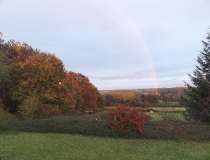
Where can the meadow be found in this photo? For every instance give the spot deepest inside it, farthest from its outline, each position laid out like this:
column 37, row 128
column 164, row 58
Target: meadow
column 51, row 146
column 87, row 136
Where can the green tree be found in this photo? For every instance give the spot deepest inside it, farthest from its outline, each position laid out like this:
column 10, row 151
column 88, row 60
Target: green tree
column 100, row 102
column 4, row 79
column 197, row 96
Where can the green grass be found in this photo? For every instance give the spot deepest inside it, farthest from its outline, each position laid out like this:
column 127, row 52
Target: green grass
column 109, row 107
column 165, row 109
column 38, row 146
column 171, row 103
column 156, row 116
column 161, row 109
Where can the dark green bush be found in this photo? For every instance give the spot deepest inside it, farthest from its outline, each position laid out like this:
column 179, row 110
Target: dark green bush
column 4, row 118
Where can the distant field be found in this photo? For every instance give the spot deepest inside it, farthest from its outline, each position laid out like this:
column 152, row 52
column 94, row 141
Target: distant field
column 109, row 107
column 169, row 108
column 171, row 103
column 155, row 108
column 159, row 115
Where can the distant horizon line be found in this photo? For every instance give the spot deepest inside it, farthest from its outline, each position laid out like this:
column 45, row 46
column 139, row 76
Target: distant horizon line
column 141, row 88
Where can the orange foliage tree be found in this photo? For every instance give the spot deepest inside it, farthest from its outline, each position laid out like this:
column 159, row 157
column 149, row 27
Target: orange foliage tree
column 86, row 92
column 42, row 75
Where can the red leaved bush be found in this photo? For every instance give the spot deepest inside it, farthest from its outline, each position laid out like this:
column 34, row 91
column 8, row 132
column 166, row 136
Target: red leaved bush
column 125, row 119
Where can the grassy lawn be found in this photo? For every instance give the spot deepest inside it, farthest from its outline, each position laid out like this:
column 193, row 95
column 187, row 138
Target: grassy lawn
column 36, row 146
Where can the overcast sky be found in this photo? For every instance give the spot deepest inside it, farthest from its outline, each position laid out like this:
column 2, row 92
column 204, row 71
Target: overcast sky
column 118, row 44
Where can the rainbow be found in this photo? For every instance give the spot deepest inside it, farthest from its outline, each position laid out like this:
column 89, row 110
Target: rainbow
column 142, row 42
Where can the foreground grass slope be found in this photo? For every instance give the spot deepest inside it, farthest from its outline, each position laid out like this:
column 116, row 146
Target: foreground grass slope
column 48, row 146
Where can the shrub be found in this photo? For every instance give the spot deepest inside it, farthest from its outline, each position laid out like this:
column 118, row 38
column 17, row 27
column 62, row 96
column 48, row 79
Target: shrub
column 173, row 126
column 4, row 118
column 125, row 119
column 29, row 106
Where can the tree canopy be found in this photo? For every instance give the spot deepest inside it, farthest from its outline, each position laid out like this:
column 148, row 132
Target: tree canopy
column 198, row 94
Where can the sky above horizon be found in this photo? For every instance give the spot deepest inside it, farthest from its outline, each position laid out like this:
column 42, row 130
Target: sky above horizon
column 117, row 44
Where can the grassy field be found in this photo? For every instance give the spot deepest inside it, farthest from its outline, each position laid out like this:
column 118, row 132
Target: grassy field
column 162, row 112
column 182, row 109
column 48, row 146
column 158, row 116
column 169, row 108
column 87, row 136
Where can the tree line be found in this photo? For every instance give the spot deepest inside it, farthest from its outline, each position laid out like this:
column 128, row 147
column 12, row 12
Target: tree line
column 144, row 97
column 35, row 83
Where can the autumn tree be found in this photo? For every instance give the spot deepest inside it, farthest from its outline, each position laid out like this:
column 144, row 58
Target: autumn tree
column 43, row 75
column 109, row 99
column 16, row 52
column 12, row 54
column 129, row 98
column 86, row 92
column 197, row 96
column 100, row 102
column 144, row 99
column 153, row 98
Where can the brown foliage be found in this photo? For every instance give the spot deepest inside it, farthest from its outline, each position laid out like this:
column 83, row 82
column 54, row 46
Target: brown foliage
column 86, row 94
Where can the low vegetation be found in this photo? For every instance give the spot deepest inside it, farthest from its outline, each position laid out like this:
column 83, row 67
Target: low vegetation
column 162, row 126
column 4, row 118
